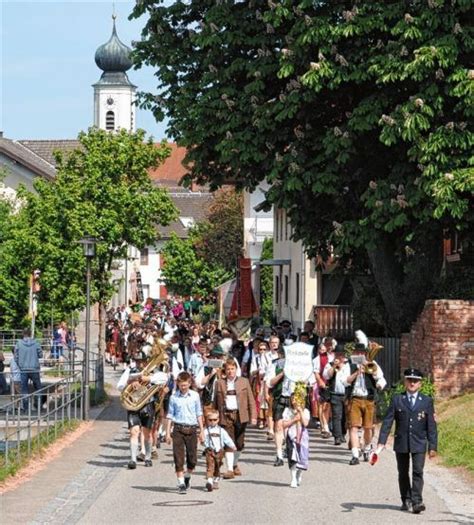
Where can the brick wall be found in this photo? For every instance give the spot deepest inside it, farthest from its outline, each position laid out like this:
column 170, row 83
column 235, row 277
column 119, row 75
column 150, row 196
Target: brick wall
column 441, row 344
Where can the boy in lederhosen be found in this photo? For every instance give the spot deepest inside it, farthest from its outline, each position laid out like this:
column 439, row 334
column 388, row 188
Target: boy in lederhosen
column 216, row 442
column 185, row 413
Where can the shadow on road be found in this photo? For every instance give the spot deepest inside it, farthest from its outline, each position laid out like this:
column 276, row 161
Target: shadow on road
column 349, row 507
column 155, row 488
column 115, row 447
column 260, row 482
column 108, row 464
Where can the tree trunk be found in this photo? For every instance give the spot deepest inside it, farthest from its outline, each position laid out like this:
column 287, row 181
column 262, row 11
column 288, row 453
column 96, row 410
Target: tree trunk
column 388, row 276
column 101, row 337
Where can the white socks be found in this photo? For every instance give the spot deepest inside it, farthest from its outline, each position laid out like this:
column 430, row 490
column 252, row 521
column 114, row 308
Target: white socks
column 355, row 452
column 134, row 450
column 180, row 480
column 229, row 457
column 236, row 457
column 147, row 450
column 294, row 482
column 279, row 444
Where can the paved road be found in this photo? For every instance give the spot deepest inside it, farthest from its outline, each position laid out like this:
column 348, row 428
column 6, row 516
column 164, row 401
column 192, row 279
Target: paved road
column 100, row 490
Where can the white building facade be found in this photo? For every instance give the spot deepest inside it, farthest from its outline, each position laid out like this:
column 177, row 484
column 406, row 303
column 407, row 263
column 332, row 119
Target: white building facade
column 296, row 282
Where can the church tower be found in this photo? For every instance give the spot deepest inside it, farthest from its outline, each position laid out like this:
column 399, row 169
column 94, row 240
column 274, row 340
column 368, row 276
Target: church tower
column 114, row 94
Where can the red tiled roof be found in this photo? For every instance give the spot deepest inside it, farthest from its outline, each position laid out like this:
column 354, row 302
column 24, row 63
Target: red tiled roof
column 172, row 169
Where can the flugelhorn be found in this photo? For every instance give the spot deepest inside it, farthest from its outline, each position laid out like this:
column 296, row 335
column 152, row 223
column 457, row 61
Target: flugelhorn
column 374, row 349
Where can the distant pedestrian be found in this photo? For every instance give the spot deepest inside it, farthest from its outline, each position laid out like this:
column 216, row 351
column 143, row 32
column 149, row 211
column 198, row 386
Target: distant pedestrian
column 3, row 381
column 15, row 377
column 27, row 354
column 415, row 431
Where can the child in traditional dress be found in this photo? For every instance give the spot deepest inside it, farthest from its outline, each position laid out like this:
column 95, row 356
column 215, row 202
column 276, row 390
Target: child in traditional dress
column 216, row 442
column 295, row 420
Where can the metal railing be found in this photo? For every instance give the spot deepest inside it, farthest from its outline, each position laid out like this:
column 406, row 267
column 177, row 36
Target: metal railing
column 31, row 420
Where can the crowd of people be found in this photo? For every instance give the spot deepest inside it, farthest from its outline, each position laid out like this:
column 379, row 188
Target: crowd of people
column 212, row 384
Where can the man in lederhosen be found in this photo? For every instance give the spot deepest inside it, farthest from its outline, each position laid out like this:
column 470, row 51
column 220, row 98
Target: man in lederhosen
column 236, row 406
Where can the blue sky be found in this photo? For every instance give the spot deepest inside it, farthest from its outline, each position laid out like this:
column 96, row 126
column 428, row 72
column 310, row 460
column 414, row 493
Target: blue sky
column 48, row 68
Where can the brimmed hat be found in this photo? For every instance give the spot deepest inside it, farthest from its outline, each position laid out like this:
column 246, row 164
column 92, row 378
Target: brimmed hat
column 413, row 373
column 217, row 351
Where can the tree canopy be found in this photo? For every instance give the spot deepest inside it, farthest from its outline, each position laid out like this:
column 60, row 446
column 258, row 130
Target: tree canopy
column 359, row 115
column 219, row 238
column 200, row 263
column 103, row 190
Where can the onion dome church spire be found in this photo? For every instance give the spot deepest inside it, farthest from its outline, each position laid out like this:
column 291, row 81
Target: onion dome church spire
column 114, row 94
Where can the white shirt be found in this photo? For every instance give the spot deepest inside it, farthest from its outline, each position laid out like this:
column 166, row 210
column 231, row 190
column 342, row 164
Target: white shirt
column 317, row 362
column 341, row 377
column 415, row 397
column 158, row 378
column 231, row 400
column 359, row 384
column 260, row 363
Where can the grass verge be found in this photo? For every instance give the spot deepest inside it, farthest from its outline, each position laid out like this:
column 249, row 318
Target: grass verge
column 456, row 431
column 39, row 444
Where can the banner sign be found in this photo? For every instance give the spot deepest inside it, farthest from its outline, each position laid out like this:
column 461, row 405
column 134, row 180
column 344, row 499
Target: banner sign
column 299, row 361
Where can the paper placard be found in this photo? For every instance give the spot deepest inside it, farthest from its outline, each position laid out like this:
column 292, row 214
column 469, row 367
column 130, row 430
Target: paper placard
column 299, row 361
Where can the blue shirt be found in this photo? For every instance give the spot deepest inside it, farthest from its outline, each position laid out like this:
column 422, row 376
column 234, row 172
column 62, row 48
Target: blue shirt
column 217, row 438
column 195, row 364
column 185, row 409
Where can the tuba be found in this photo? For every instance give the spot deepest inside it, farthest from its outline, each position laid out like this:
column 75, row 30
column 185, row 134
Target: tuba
column 134, row 398
column 374, row 349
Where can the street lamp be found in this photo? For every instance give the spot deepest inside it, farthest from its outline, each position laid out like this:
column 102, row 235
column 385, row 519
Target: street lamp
column 88, row 246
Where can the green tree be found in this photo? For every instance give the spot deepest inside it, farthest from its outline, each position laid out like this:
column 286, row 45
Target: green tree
column 185, row 272
column 358, row 114
column 266, row 284
column 102, row 189
column 219, row 238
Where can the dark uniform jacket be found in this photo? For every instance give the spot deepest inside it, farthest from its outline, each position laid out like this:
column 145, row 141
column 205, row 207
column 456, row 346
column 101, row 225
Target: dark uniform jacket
column 415, row 429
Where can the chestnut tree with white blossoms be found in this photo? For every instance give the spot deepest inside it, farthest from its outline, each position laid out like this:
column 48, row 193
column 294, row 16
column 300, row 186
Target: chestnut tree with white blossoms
column 359, row 115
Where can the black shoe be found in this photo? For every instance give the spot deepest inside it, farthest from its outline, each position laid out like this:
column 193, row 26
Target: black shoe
column 418, row 507
column 181, row 489
column 141, row 457
column 366, row 456
column 278, row 462
column 406, row 505
column 209, row 487
column 131, row 465
column 187, row 482
column 148, row 463
column 354, row 461
column 337, row 441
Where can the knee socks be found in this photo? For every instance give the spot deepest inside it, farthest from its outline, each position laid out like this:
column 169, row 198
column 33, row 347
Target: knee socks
column 229, row 457
column 134, row 450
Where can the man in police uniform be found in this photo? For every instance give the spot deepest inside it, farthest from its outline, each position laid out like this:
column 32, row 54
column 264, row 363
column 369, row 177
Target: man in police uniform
column 415, row 430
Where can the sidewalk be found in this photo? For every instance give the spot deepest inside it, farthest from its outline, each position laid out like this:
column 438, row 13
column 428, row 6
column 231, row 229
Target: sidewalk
column 64, row 469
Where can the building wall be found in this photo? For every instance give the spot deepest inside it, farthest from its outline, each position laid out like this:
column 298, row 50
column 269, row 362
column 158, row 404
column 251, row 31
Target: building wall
column 16, row 174
column 298, row 282
column 123, row 106
column 150, row 273
column 257, row 225
column 441, row 344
